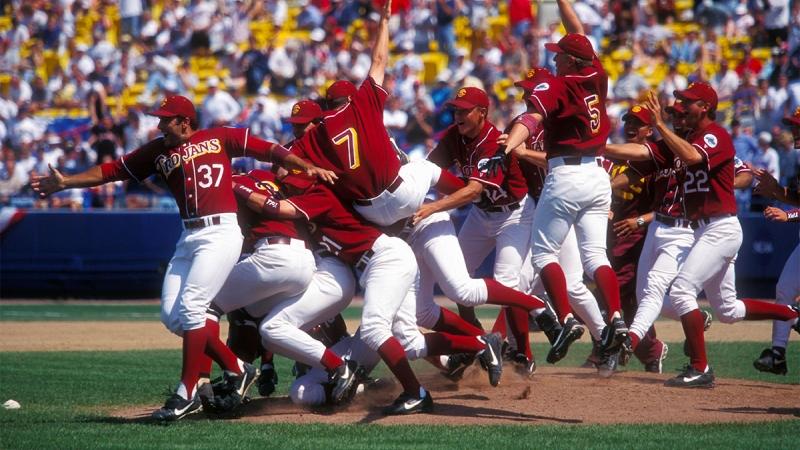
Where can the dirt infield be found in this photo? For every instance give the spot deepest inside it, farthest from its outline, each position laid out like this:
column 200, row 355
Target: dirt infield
column 553, row 396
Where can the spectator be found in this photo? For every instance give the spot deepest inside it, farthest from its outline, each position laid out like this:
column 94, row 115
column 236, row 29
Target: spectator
column 19, row 90
column 395, row 119
column 263, row 119
column 788, row 156
column 219, row 107
column 776, row 21
column 672, row 82
column 767, row 157
column 12, row 177
column 255, row 64
column 686, row 50
column 725, row 81
column 630, row 84
column 520, row 16
column 446, row 12
column 743, row 142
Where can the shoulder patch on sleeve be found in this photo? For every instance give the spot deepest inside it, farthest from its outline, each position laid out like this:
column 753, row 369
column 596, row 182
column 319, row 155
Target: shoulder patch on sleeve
column 542, row 87
column 710, row 140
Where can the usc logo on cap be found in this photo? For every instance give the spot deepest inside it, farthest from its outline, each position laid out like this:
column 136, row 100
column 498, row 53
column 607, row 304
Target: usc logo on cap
column 636, row 109
column 461, row 92
column 296, row 110
column 296, row 171
column 163, row 102
column 531, row 73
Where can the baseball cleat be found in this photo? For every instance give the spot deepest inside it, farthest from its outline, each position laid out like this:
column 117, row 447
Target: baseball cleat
column 267, row 380
column 344, row 382
column 594, row 357
column 409, row 404
column 241, row 382
column 690, row 377
column 457, row 364
column 205, row 392
column 608, row 364
column 492, row 357
column 176, row 408
column 707, row 319
column 771, row 361
column 571, row 332
column 657, row 365
column 524, row 366
column 613, row 336
column 549, row 325
column 626, row 351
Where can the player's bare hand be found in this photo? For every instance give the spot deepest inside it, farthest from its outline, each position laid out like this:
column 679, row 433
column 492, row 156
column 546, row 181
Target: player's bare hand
column 652, row 103
column 48, row 184
column 625, row 227
column 767, row 185
column 422, row 213
column 323, row 174
column 775, row 214
column 501, row 140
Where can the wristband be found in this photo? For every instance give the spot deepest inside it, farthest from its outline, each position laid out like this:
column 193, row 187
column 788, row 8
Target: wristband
column 242, row 191
column 793, row 215
column 270, row 207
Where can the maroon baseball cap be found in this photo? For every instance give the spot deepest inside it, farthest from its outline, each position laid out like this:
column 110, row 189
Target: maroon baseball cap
column 532, row 79
column 794, row 119
column 340, row 89
column 676, row 108
column 174, row 106
column 699, row 91
column 573, row 44
column 468, row 98
column 305, row 111
column 639, row 112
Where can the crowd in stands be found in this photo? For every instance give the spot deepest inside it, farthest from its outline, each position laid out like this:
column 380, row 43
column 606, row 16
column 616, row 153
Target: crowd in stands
column 77, row 76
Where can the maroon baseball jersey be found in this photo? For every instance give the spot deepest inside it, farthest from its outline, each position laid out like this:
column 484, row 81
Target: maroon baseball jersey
column 198, row 172
column 574, row 112
column 353, row 143
column 708, row 185
column 534, row 175
column 503, row 188
column 668, row 197
column 336, row 227
column 256, row 226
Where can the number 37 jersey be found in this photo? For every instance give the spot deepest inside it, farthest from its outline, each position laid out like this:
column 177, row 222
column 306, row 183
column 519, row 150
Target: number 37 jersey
column 353, row 142
column 574, row 112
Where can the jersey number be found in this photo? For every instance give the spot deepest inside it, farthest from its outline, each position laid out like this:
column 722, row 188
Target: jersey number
column 592, row 102
column 349, row 137
column 210, row 175
column 696, row 181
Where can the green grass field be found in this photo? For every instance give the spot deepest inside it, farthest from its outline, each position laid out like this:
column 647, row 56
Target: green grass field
column 66, row 398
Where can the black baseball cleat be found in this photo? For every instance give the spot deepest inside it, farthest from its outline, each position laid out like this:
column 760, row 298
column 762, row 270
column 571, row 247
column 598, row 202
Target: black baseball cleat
column 571, row 332
column 344, row 381
column 690, row 377
column 608, row 363
column 657, row 365
column 549, row 325
column 409, row 404
column 267, row 380
column 524, row 366
column 176, row 408
column 492, row 357
column 240, row 383
column 613, row 336
column 772, row 361
column 457, row 364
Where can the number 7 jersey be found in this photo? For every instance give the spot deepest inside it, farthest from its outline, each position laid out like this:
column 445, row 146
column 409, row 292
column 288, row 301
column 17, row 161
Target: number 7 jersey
column 353, row 142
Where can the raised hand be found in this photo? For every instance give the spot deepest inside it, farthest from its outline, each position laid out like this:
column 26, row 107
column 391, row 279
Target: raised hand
column 767, row 185
column 45, row 185
column 323, row 174
column 775, row 214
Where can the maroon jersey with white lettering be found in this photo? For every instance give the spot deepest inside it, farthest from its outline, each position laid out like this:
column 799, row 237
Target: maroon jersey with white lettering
column 574, row 112
column 336, row 227
column 198, row 172
column 504, row 188
column 708, row 185
column 663, row 165
column 256, row 226
column 353, row 143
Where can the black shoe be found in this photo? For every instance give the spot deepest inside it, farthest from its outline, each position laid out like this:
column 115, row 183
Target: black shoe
column 549, row 325
column 608, row 364
column 707, row 319
column 524, row 366
column 771, row 361
column 344, row 381
column 613, row 336
column 656, row 366
column 692, row 378
column 229, row 392
column 240, row 383
column 267, row 380
column 594, row 357
column 205, row 393
column 571, row 332
column 408, row 404
column 456, row 365
column 176, row 408
column 492, row 357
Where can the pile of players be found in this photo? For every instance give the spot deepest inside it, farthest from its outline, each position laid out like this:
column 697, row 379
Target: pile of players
column 342, row 208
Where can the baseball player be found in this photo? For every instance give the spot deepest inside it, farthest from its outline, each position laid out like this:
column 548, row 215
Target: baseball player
column 571, row 108
column 502, row 215
column 195, row 164
column 773, row 360
column 707, row 184
column 387, row 272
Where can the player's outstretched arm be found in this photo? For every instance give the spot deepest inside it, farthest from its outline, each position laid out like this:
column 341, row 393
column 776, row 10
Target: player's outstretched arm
column 266, row 204
column 569, row 18
column 380, row 51
column 56, row 181
column 459, row 198
column 677, row 145
column 538, row 159
column 628, row 151
column 769, row 187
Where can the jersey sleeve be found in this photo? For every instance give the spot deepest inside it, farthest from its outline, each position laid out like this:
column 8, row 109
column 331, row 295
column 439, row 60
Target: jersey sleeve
column 712, row 144
column 659, row 159
column 140, row 163
column 547, row 96
column 373, row 94
column 313, row 203
column 442, row 154
column 740, row 166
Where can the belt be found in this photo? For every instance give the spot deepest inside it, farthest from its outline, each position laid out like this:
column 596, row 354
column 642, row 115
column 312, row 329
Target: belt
column 503, row 208
column 364, row 260
column 695, row 224
column 201, row 222
column 272, row 240
column 673, row 221
column 574, row 161
column 391, row 188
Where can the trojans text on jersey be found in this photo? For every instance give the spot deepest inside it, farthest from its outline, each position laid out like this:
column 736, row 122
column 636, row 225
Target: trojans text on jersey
column 165, row 164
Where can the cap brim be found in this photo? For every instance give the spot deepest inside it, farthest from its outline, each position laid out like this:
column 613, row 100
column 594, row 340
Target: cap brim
column 162, row 113
column 553, row 47
column 460, row 104
column 629, row 116
column 300, row 119
column 525, row 84
column 685, row 94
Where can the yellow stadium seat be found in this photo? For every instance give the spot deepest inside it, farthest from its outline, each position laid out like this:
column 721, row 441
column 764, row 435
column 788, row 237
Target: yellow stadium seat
column 498, row 25
column 434, row 62
column 762, row 53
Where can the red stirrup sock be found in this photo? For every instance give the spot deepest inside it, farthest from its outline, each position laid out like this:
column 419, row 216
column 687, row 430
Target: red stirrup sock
column 758, row 310
column 450, row 322
column 499, row 294
column 218, row 351
column 608, row 287
column 555, row 283
column 693, row 328
column 394, row 356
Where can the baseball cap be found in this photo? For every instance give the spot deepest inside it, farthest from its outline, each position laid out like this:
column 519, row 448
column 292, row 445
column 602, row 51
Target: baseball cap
column 468, row 98
column 175, row 105
column 534, row 76
column 305, row 111
column 212, row 82
column 699, row 91
column 639, row 112
column 340, row 89
column 794, row 119
column 765, row 136
column 676, row 107
column 572, row 44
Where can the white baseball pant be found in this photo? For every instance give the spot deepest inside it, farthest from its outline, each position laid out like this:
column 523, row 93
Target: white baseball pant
column 272, row 273
column 331, row 289
column 573, row 195
column 787, row 290
column 663, row 253
column 197, row 271
column 419, row 177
